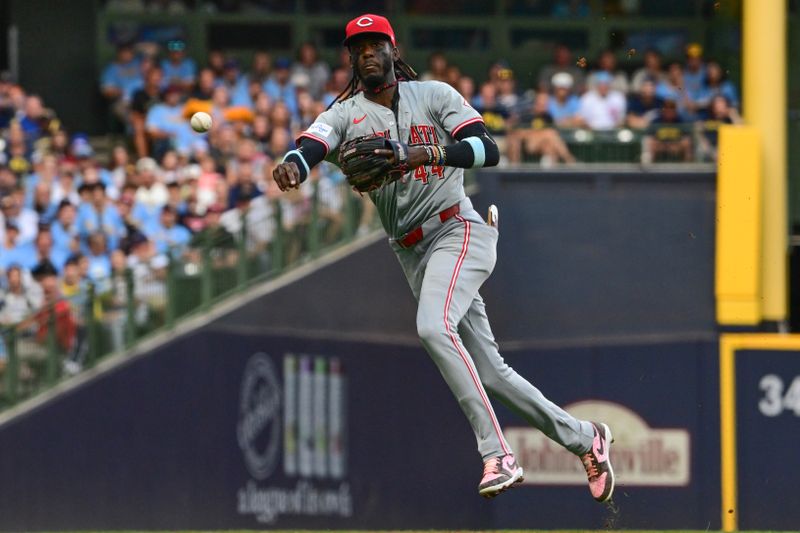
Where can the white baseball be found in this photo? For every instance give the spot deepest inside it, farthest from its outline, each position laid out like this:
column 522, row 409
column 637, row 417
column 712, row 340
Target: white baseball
column 201, row 122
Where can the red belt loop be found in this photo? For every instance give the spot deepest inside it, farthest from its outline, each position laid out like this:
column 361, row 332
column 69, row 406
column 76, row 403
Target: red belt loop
column 411, row 238
column 414, row 236
column 449, row 213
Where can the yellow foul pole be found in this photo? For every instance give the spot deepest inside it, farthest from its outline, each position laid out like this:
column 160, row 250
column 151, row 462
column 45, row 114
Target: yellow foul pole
column 765, row 107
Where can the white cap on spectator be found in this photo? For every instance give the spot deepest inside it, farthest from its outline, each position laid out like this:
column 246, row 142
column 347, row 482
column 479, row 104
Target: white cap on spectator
column 562, row 80
column 146, row 164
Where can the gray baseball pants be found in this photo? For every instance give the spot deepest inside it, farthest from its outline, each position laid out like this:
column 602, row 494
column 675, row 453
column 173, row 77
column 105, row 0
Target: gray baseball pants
column 445, row 271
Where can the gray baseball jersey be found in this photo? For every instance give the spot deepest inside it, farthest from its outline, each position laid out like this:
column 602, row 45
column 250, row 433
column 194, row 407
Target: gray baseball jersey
column 429, row 112
column 448, row 266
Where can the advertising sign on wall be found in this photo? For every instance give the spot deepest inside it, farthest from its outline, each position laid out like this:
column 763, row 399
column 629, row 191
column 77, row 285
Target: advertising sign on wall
column 643, row 456
column 292, row 428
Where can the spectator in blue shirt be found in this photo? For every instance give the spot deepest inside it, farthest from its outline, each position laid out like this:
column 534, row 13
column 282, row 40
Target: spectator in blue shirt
column 241, row 95
column 34, row 120
column 9, row 249
column 120, row 79
column 280, row 88
column 99, row 261
column 151, row 193
column 167, row 234
column 13, row 210
column 42, row 203
column 98, row 215
column 167, row 126
column 671, row 87
column 715, row 85
column 41, row 250
column 64, row 229
column 564, row 104
column 694, row 74
column 178, row 68
column 45, row 171
column 231, row 75
column 88, row 169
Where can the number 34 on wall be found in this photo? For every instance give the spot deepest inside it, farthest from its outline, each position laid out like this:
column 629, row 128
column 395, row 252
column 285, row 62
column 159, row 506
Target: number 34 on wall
column 775, row 400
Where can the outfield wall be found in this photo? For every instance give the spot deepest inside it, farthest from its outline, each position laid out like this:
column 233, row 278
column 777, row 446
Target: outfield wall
column 211, row 431
column 581, row 255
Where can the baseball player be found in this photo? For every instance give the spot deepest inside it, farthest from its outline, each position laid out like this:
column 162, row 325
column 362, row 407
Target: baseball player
column 420, row 136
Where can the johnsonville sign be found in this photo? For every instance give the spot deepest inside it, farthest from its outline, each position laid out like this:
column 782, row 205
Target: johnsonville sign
column 641, row 455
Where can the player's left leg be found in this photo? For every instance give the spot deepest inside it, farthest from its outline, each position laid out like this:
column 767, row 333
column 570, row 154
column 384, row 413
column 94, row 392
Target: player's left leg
column 515, row 391
column 588, row 440
column 456, row 265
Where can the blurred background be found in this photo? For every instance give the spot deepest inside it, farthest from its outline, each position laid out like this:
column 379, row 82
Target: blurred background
column 204, row 351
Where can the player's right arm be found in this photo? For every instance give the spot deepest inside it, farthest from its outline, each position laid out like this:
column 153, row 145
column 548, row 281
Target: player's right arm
column 297, row 164
column 320, row 139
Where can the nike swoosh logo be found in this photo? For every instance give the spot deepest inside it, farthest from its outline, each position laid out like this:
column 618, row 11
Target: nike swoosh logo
column 358, row 120
column 600, row 449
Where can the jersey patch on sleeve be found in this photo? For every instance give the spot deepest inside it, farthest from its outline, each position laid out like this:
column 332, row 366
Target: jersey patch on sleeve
column 319, row 128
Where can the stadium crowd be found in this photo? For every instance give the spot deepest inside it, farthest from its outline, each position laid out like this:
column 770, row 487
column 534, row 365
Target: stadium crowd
column 677, row 108
column 71, row 218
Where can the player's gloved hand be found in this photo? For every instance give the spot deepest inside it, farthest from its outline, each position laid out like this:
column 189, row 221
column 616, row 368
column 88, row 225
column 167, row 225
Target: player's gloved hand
column 287, row 176
column 372, row 161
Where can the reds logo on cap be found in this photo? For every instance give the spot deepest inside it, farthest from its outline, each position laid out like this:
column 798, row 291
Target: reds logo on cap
column 369, row 23
column 364, row 22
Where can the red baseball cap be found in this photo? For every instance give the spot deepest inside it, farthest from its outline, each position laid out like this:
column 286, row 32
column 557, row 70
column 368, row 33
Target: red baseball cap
column 369, row 23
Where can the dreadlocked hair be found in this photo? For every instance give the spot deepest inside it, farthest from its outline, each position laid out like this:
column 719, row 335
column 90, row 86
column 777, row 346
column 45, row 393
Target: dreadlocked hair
column 402, row 71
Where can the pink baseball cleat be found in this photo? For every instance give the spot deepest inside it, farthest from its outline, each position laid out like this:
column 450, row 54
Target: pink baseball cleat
column 598, row 465
column 499, row 473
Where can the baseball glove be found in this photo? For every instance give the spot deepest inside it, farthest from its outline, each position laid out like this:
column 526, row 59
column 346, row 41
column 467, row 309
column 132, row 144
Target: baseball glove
column 367, row 171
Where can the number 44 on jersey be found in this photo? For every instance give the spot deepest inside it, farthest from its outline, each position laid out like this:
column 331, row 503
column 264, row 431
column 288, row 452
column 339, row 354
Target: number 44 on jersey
column 425, row 134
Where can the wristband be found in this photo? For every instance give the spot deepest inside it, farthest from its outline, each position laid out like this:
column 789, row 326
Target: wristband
column 436, row 154
column 429, row 151
column 296, row 156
